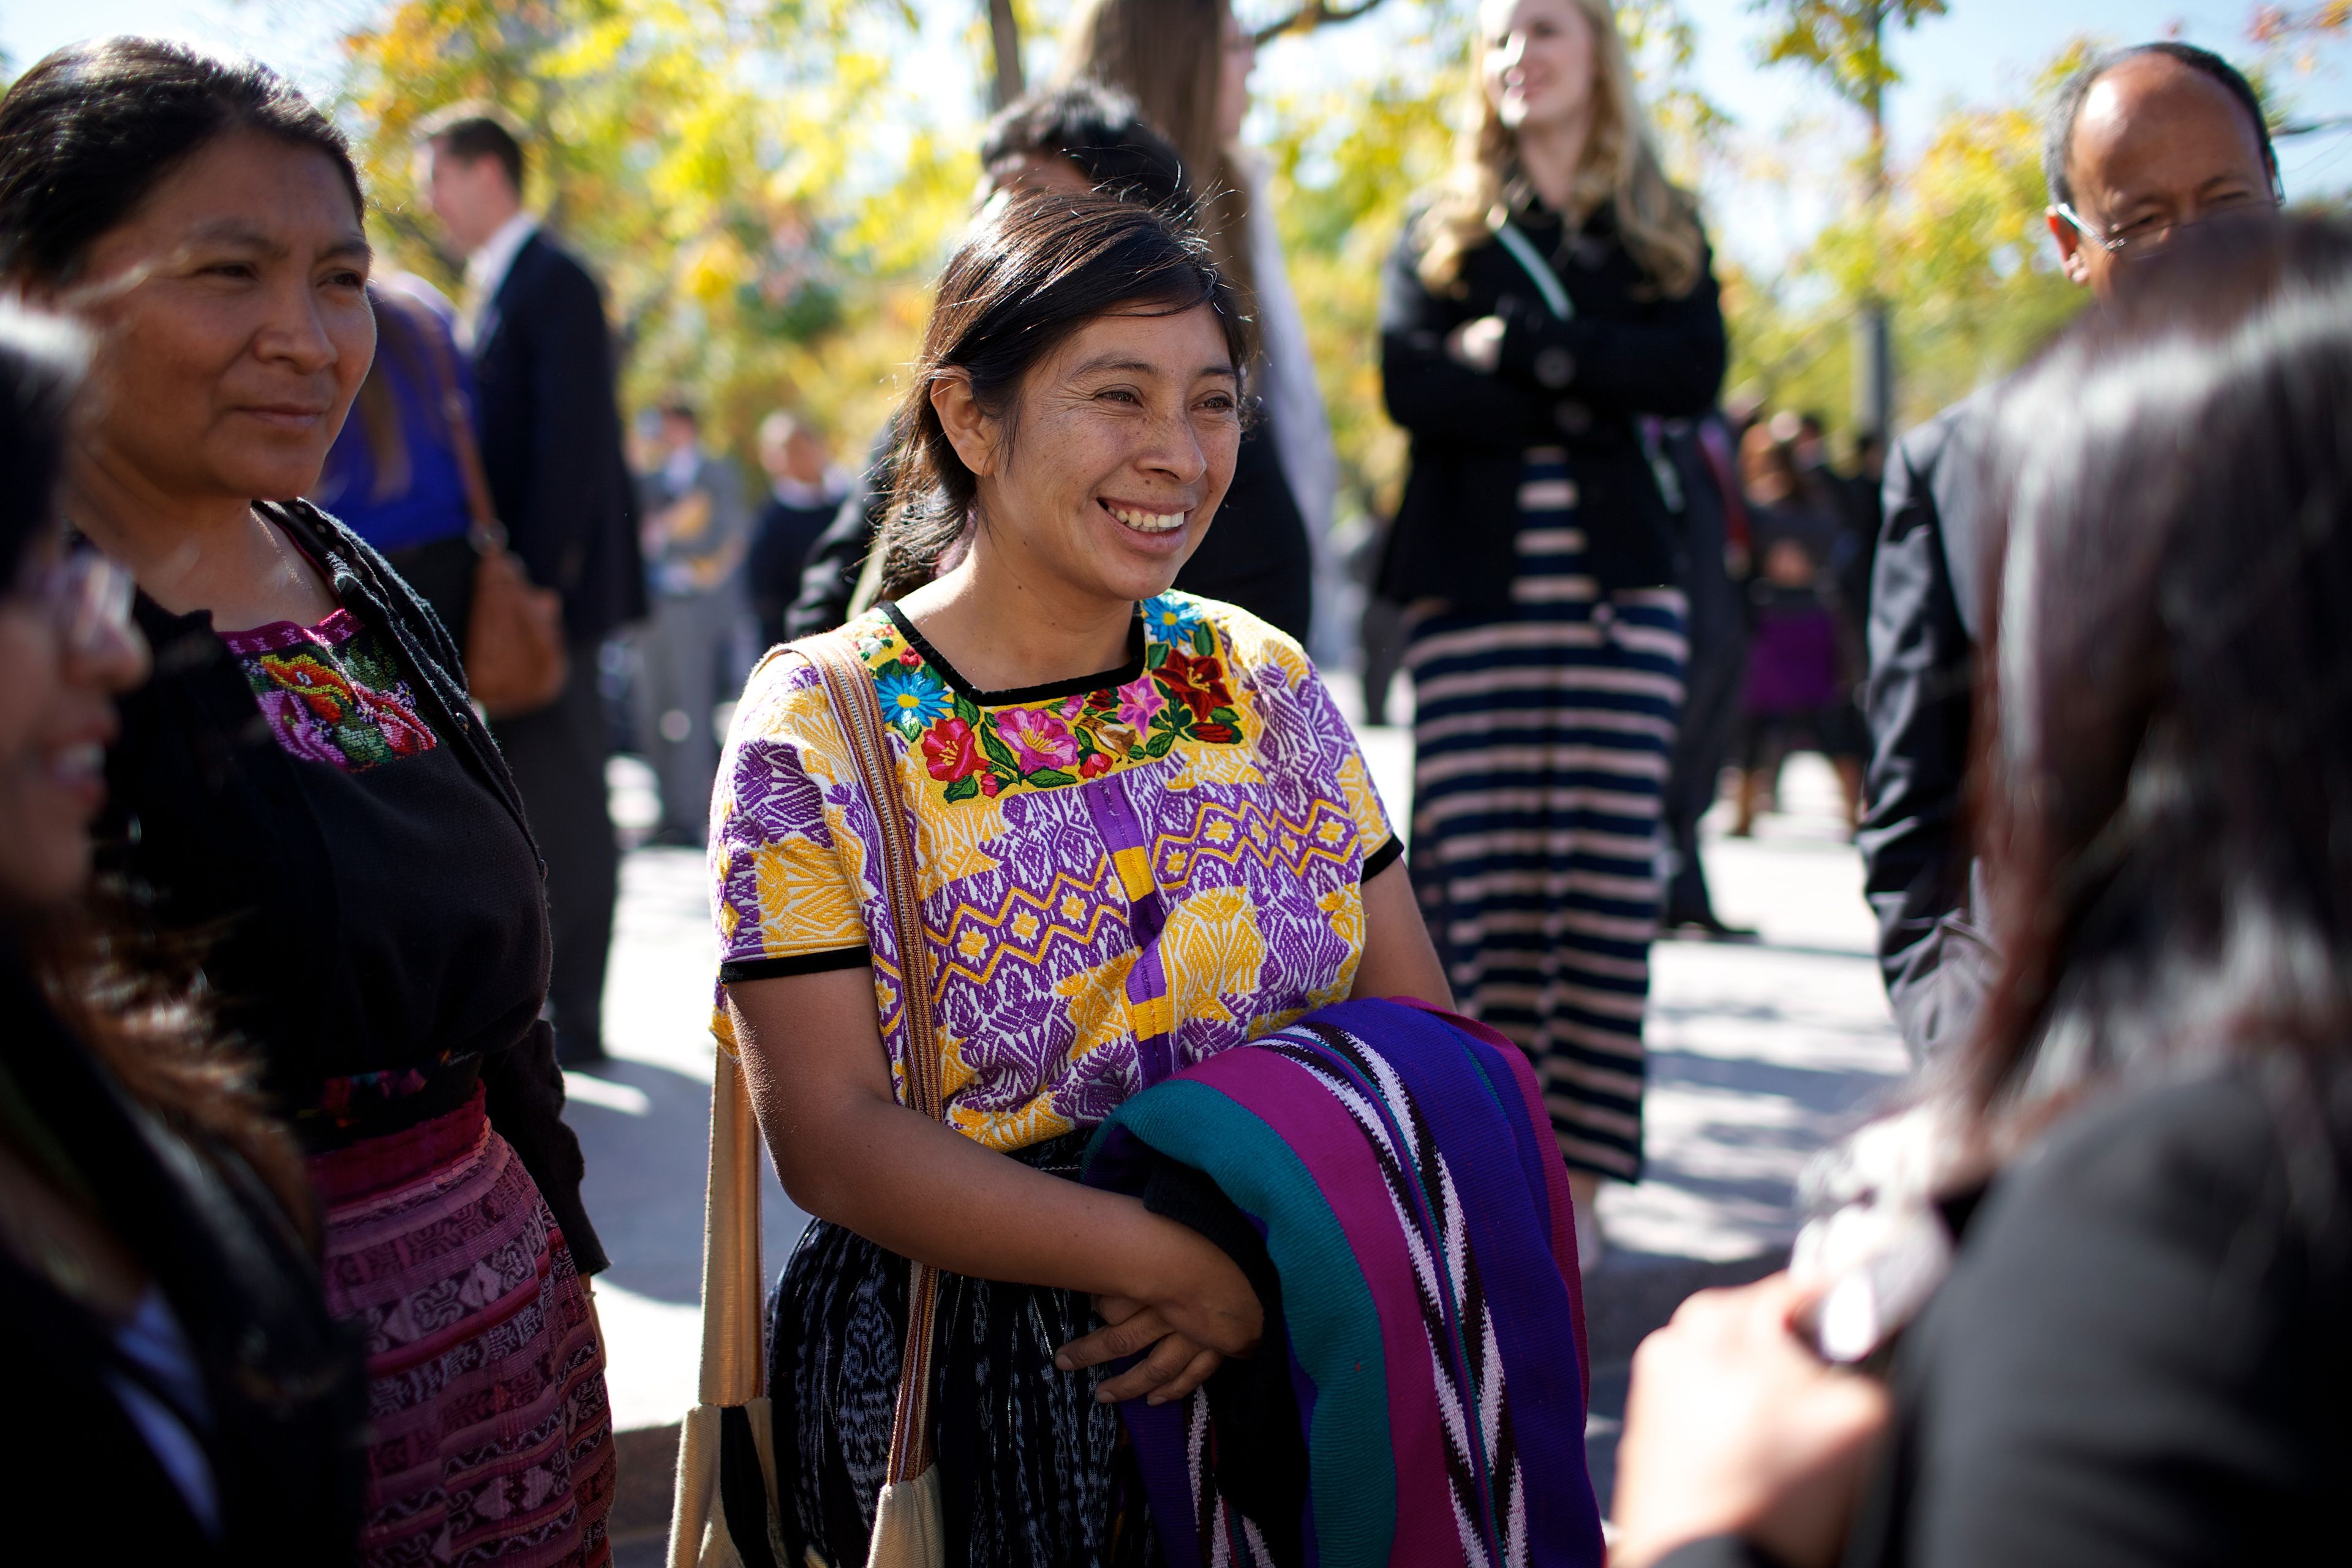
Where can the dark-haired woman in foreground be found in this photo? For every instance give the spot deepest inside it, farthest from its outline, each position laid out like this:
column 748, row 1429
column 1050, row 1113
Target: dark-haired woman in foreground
column 2138, row 1356
column 303, row 787
column 172, row 1349
column 1143, row 833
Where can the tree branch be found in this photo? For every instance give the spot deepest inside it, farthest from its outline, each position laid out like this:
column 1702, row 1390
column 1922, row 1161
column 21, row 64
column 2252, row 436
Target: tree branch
column 1307, row 18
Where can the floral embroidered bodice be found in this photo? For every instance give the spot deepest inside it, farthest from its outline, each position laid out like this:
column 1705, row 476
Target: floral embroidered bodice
column 1120, row 875
column 332, row 693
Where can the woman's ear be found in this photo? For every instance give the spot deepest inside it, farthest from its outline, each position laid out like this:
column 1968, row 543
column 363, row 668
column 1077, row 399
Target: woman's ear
column 970, row 429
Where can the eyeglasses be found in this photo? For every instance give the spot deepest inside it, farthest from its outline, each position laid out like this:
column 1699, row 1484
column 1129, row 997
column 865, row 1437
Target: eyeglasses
column 85, row 595
column 2146, row 236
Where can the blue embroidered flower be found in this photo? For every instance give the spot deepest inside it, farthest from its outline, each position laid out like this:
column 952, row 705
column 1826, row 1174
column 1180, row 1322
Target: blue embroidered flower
column 1166, row 618
column 912, row 698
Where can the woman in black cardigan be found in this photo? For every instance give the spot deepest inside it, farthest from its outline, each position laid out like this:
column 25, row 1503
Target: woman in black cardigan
column 303, row 794
column 2139, row 1355
column 1554, row 295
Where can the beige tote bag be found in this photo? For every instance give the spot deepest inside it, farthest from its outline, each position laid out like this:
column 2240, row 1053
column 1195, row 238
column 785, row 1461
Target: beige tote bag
column 725, row 1513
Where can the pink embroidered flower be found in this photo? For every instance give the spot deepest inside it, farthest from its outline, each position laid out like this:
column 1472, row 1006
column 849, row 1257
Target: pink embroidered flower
column 1139, row 702
column 402, row 730
column 990, row 783
column 1039, row 740
column 950, row 750
column 1072, row 704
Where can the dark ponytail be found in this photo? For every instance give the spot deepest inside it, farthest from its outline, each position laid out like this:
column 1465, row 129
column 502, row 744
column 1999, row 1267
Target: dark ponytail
column 1017, row 289
column 86, row 134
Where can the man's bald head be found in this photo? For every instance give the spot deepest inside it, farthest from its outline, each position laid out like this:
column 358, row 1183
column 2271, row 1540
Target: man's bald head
column 2148, row 139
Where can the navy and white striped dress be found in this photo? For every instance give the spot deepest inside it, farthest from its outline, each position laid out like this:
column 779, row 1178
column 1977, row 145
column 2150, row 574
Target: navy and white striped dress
column 1541, row 739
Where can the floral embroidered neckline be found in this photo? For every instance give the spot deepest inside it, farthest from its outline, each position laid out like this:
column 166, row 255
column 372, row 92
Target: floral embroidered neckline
column 977, row 744
column 331, row 693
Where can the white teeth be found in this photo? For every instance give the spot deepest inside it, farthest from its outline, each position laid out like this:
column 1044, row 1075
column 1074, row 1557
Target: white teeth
column 1149, row 522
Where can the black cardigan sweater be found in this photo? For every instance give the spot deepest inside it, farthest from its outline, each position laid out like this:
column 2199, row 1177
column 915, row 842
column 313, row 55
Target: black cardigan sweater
column 1579, row 383
column 348, row 925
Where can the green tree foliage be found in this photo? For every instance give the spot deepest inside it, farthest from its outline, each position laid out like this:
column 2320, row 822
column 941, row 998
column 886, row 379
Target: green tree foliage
column 742, row 175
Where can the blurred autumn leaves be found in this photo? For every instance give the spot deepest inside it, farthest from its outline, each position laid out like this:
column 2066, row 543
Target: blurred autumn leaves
column 767, row 185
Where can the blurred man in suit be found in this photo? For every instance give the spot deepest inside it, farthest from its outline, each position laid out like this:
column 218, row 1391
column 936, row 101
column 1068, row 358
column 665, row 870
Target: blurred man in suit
column 2141, row 143
column 696, row 532
column 550, row 440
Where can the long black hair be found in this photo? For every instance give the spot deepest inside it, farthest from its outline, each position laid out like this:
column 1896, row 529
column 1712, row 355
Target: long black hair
column 42, row 361
column 2164, row 788
column 89, row 131
column 1020, row 287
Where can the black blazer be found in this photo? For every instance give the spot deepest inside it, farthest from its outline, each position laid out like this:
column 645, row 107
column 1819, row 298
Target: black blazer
column 551, row 437
column 1580, row 383
column 2140, row 1356
column 1927, row 588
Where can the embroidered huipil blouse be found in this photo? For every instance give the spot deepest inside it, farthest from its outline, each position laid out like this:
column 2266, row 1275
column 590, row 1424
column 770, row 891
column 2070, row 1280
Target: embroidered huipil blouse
column 1120, row 875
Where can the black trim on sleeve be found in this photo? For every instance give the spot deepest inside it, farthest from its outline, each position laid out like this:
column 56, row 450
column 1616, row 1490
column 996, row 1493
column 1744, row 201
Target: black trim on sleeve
column 740, row 969
column 1380, row 860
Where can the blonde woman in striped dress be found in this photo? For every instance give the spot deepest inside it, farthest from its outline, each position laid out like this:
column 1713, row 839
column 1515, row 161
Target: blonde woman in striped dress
column 1553, row 295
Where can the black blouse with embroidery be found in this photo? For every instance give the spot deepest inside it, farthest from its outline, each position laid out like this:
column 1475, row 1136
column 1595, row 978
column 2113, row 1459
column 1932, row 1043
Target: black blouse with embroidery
column 318, row 813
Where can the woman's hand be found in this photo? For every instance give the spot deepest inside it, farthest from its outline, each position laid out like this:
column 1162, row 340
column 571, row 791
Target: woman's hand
column 1477, row 344
column 1201, row 1310
column 1733, row 1427
column 1176, row 1366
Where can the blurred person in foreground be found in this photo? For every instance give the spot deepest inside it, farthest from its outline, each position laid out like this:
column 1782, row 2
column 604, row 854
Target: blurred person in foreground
column 550, row 430
column 2143, row 143
column 806, row 489
column 1070, row 140
column 1555, row 290
column 303, row 788
column 696, row 534
column 2134, row 1181
column 180, row 1387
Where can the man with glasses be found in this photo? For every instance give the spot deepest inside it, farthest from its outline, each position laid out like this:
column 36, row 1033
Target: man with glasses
column 2143, row 143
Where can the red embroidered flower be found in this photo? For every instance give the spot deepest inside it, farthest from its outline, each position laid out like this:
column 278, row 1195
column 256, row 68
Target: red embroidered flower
column 1216, row 734
column 1095, row 766
column 1198, row 682
column 950, row 750
column 990, row 783
column 909, row 657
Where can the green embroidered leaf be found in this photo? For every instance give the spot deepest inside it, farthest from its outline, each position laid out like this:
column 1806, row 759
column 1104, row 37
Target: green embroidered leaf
column 967, row 709
column 1204, row 641
column 1157, row 745
column 1046, row 778
column 964, row 788
column 1224, row 716
column 998, row 752
column 1155, row 656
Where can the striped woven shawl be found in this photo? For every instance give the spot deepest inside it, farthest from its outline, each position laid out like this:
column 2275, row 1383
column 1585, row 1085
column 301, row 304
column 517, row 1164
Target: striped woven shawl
column 1399, row 1166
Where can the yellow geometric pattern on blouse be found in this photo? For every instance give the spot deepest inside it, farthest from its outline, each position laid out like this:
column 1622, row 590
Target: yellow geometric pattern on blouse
column 1022, row 926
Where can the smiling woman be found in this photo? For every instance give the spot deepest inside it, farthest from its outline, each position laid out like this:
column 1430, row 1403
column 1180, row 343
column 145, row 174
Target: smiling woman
column 302, row 795
column 1142, row 835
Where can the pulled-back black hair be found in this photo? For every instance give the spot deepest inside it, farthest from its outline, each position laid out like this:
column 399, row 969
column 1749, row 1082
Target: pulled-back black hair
column 86, row 134
column 42, row 359
column 1097, row 128
column 2058, row 137
column 1019, row 288
column 2164, row 790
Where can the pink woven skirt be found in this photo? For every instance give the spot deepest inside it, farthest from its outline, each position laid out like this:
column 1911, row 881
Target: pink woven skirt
column 491, row 1439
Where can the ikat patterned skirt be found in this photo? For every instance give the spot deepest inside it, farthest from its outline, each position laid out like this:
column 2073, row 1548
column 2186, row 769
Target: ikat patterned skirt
column 1034, row 1473
column 1540, row 743
column 492, row 1439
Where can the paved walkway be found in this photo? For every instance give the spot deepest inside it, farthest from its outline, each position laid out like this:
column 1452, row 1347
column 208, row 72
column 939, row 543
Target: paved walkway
column 1759, row 1055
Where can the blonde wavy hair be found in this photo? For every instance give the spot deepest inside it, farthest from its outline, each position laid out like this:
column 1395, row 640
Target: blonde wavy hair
column 1657, row 219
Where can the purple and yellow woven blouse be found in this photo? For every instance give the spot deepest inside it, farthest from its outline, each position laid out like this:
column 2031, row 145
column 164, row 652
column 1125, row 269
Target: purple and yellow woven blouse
column 1121, row 876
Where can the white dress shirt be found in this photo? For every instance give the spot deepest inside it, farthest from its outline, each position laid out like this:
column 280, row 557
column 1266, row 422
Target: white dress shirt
column 487, row 269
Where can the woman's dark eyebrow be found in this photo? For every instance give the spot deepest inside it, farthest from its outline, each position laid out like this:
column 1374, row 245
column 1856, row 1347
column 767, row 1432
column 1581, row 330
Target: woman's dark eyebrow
column 1129, row 362
column 237, row 231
